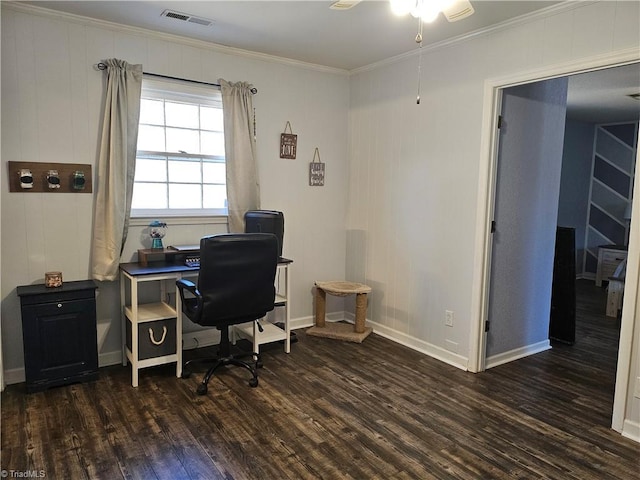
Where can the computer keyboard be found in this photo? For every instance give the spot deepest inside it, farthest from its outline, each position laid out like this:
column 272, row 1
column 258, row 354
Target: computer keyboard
column 193, row 262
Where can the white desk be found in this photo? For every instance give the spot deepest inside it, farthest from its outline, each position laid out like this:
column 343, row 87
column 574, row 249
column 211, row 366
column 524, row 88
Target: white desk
column 152, row 332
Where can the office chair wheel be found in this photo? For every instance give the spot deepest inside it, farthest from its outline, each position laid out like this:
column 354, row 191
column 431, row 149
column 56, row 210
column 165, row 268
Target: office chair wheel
column 253, row 383
column 202, row 389
column 185, row 374
column 259, row 364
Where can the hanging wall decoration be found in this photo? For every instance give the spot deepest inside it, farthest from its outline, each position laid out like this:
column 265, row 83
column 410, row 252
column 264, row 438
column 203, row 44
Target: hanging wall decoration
column 316, row 171
column 288, row 143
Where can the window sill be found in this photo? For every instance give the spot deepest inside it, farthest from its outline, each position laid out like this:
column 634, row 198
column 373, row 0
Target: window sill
column 191, row 220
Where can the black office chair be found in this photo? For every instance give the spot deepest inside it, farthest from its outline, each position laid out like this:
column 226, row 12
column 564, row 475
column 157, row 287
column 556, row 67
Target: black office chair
column 235, row 285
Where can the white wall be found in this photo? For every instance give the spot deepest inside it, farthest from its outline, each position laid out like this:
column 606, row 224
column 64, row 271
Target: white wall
column 414, row 169
column 575, row 181
column 51, row 110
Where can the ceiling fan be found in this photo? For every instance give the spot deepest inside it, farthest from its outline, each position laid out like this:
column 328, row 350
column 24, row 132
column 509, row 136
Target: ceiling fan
column 427, row 10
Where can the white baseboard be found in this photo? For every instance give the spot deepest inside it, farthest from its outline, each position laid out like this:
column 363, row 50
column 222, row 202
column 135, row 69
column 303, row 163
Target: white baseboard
column 309, row 321
column 15, row 375
column 110, row 358
column 203, row 338
column 517, row 353
column 200, row 338
column 631, row 430
column 439, row 353
column 190, row 340
column 413, row 343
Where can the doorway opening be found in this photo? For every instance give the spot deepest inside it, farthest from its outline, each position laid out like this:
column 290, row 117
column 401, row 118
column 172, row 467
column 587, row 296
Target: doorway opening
column 493, row 102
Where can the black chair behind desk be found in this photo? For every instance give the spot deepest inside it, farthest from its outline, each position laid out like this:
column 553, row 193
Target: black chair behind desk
column 235, row 285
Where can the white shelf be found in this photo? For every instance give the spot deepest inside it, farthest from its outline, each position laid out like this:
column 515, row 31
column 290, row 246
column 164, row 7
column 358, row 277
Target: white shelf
column 270, row 334
column 150, row 312
column 153, row 361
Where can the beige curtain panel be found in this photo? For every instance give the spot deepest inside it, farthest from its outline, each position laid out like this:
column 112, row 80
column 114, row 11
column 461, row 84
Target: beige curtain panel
column 243, row 189
column 116, row 167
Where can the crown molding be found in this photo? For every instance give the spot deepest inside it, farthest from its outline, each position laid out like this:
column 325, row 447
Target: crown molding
column 513, row 22
column 211, row 46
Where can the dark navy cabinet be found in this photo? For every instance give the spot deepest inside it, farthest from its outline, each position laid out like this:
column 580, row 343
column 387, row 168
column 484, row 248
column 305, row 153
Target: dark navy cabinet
column 59, row 334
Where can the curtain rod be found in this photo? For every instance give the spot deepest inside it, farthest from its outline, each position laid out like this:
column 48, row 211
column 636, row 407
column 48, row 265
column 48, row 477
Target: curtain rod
column 103, row 66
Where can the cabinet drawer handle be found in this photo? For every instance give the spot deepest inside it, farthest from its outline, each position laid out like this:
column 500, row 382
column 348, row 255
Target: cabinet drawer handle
column 59, row 305
column 153, row 340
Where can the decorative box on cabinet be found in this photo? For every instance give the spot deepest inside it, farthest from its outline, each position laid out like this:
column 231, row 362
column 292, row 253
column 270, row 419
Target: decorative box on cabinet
column 609, row 257
column 59, row 334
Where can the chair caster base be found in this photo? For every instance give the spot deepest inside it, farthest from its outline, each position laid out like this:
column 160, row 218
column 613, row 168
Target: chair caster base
column 185, row 374
column 253, row 383
column 202, row 389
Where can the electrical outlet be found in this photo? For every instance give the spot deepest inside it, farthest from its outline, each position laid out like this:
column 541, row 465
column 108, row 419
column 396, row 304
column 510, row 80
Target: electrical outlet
column 448, row 318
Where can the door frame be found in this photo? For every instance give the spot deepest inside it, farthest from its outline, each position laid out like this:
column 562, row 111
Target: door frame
column 487, row 181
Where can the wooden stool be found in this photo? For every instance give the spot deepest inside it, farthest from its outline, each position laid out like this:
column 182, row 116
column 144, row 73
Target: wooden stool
column 341, row 331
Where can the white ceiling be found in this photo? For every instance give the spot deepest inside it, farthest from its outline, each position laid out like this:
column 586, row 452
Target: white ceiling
column 309, row 31
column 305, row 30
column 603, row 96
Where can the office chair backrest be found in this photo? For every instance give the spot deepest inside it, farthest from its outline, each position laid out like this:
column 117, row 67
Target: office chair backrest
column 236, row 278
column 265, row 221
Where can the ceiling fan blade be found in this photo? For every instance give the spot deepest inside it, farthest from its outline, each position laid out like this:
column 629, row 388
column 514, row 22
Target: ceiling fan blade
column 458, row 10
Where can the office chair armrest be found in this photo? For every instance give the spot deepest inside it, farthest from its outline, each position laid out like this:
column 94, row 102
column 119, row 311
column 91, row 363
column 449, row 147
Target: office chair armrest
column 190, row 308
column 188, row 285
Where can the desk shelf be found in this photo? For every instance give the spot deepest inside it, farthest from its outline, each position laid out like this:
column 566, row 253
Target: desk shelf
column 271, row 333
column 151, row 332
column 150, row 312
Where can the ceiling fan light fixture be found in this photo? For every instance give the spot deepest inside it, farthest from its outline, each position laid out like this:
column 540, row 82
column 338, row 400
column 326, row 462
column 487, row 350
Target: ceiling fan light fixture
column 427, row 11
column 402, row 7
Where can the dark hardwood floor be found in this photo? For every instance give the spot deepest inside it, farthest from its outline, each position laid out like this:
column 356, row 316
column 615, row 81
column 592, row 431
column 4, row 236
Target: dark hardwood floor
column 336, row 410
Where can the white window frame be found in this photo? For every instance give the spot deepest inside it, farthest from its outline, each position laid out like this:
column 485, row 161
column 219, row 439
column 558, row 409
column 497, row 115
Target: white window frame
column 175, row 90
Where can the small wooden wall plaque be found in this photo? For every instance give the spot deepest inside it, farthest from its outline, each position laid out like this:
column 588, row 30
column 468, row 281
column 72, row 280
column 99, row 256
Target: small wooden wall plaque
column 316, row 171
column 288, row 143
column 73, row 177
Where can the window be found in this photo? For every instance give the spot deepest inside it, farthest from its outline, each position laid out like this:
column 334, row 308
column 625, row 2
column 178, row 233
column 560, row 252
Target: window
column 180, row 162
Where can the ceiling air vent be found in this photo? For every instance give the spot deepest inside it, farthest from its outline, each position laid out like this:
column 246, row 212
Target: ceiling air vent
column 458, row 10
column 344, row 4
column 186, row 18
